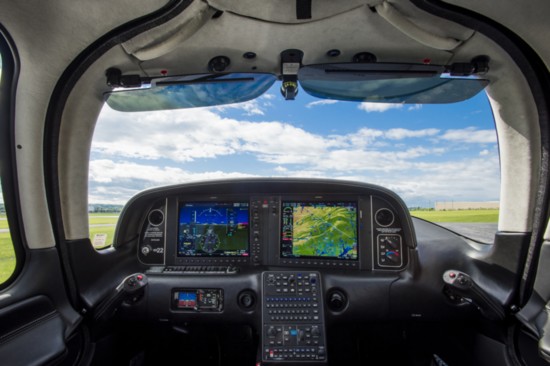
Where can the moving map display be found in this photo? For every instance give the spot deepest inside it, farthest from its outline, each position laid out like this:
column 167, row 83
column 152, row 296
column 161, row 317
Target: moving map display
column 319, row 230
column 213, row 229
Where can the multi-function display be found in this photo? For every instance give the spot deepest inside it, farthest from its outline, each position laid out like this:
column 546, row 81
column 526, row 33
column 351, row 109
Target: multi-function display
column 319, row 230
column 207, row 229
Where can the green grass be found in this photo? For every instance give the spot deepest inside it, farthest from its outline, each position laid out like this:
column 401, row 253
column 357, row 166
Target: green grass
column 467, row 216
column 3, row 222
column 103, row 220
column 109, row 230
column 7, row 255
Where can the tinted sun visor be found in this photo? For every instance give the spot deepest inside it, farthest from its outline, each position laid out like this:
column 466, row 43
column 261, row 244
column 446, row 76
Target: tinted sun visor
column 388, row 83
column 191, row 91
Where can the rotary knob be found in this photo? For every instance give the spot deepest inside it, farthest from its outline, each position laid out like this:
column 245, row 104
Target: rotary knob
column 146, row 250
column 272, row 331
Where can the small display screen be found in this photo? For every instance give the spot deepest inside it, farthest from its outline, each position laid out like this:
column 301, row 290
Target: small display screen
column 319, row 230
column 209, row 229
column 187, row 299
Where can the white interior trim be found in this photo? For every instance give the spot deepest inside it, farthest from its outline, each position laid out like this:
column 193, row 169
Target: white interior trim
column 399, row 21
column 166, row 37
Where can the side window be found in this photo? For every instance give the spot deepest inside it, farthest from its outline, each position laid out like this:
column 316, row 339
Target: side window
column 7, row 254
column 103, row 219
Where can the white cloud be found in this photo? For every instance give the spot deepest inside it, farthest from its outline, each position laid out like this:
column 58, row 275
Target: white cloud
column 378, row 107
column 475, row 179
column 106, row 171
column 267, row 96
column 321, row 102
column 484, row 152
column 140, row 150
column 415, row 107
column 124, row 179
column 471, row 135
column 199, row 133
column 362, row 138
column 401, row 133
column 251, row 107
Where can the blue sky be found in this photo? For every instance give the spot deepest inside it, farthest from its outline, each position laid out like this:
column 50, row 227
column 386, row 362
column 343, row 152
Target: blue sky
column 425, row 153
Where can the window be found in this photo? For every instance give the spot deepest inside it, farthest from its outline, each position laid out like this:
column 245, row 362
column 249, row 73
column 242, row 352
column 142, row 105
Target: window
column 7, row 253
column 437, row 157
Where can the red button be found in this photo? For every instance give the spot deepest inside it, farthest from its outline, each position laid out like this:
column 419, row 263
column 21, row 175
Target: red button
column 139, row 277
column 452, row 275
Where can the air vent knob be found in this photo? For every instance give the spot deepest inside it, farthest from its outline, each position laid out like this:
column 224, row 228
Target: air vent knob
column 247, row 300
column 337, row 301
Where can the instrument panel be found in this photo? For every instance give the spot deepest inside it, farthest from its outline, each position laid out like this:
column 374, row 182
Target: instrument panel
column 342, row 226
column 291, row 258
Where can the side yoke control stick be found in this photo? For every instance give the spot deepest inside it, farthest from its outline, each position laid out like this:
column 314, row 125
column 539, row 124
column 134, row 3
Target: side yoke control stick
column 460, row 284
column 129, row 290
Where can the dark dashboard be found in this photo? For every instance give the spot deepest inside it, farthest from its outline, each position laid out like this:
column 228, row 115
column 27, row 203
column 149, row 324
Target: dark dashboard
column 293, row 259
column 368, row 230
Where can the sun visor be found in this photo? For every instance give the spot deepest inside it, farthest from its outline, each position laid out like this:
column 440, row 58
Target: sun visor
column 167, row 36
column 388, row 83
column 191, row 91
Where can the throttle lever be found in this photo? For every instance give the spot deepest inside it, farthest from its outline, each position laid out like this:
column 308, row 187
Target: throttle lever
column 463, row 285
column 126, row 290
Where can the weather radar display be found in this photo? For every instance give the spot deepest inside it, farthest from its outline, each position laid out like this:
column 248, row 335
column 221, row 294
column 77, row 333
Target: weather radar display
column 213, row 229
column 319, row 230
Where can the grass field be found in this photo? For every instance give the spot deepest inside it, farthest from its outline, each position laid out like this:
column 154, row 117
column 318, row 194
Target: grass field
column 3, row 222
column 109, row 230
column 467, row 216
column 7, row 255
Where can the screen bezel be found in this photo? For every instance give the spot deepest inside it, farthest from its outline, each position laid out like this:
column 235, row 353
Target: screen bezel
column 309, row 201
column 181, row 204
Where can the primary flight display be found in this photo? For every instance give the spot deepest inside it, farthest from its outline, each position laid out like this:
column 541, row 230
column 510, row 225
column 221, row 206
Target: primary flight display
column 208, row 229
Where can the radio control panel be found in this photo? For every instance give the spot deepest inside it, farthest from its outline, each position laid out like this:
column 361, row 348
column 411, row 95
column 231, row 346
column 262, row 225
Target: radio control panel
column 293, row 317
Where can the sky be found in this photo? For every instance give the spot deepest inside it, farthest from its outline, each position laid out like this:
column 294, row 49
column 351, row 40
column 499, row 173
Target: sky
column 425, row 153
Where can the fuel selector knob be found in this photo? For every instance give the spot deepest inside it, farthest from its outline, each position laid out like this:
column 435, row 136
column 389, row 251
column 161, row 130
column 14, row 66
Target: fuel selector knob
column 146, row 250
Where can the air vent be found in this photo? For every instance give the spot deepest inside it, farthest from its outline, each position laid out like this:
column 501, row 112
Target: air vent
column 384, row 217
column 156, row 217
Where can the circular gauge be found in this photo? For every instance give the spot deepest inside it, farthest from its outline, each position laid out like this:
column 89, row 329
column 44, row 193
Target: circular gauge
column 384, row 217
column 209, row 242
column 156, row 217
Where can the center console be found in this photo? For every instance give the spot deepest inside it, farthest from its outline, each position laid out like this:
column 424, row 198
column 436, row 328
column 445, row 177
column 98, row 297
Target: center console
column 293, row 317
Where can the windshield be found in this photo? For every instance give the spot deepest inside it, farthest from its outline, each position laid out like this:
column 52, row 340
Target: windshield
column 428, row 154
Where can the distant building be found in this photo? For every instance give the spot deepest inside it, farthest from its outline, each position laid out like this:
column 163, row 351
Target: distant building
column 455, row 205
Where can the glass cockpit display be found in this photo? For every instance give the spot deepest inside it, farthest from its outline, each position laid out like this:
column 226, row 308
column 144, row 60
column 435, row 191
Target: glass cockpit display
column 325, row 230
column 207, row 229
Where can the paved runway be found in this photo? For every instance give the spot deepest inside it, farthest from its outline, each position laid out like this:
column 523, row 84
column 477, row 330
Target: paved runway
column 482, row 232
